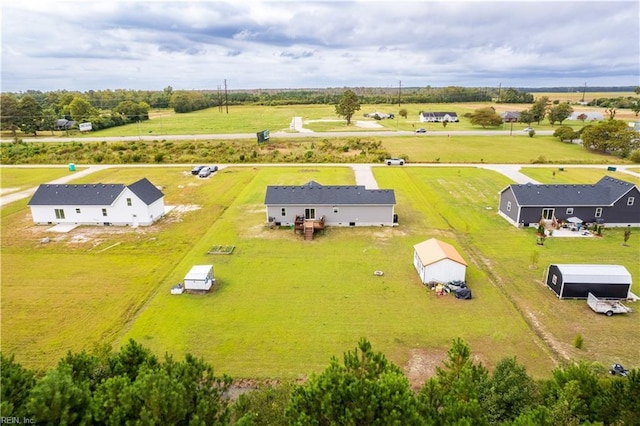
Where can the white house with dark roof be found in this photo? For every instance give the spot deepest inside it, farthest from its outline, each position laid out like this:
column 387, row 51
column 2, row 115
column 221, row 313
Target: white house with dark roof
column 341, row 205
column 438, row 117
column 140, row 203
column 585, row 116
column 611, row 201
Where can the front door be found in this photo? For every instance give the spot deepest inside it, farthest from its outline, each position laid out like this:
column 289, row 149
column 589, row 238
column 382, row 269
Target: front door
column 309, row 213
column 547, row 214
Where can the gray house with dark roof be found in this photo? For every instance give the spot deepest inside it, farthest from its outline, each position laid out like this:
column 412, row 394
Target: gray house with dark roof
column 341, row 205
column 140, row 203
column 610, row 201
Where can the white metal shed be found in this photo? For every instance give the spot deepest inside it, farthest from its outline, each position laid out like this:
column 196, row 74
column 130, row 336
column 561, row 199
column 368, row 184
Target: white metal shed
column 200, row 277
column 436, row 260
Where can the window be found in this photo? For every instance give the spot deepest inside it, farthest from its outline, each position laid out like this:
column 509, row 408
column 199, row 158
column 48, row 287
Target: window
column 570, row 210
column 104, row 212
column 129, row 202
column 78, row 211
column 283, row 212
column 309, row 213
column 599, row 212
column 508, row 206
column 554, row 279
column 630, row 201
column 335, row 210
column 547, row 214
column 59, row 213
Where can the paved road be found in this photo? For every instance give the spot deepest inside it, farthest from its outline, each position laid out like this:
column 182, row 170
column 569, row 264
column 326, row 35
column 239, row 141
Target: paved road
column 362, row 172
column 284, row 135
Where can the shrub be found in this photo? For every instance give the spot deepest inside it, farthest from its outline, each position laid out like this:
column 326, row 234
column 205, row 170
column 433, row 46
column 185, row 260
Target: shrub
column 578, row 341
column 635, row 156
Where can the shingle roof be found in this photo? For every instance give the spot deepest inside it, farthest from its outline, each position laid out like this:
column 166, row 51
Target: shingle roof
column 439, row 114
column 604, row 193
column 97, row 194
column 433, row 250
column 146, row 191
column 313, row 193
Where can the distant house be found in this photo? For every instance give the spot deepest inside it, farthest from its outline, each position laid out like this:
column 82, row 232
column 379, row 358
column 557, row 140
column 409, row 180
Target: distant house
column 339, row 205
column 585, row 116
column 438, row 117
column 611, row 201
column 438, row 261
column 577, row 281
column 140, row 203
column 64, row 124
column 379, row 115
column 510, row 116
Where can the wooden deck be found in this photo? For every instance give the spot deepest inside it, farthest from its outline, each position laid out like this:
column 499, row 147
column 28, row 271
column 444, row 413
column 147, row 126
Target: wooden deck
column 308, row 227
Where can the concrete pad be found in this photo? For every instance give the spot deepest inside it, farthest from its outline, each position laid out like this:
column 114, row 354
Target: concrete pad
column 63, row 227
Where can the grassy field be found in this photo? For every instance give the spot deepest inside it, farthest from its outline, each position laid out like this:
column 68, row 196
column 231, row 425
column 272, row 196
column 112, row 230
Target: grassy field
column 574, row 175
column 519, row 149
column 16, row 179
column 319, row 118
column 282, row 306
column 430, row 148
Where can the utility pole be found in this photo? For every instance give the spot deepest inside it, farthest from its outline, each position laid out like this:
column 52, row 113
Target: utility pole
column 499, row 91
column 583, row 91
column 219, row 99
column 399, row 92
column 226, row 96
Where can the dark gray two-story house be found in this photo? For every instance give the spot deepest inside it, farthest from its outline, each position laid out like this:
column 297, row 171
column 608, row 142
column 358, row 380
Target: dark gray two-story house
column 611, row 201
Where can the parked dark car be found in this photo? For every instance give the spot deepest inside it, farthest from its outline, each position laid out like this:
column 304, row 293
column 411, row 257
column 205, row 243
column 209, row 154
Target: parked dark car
column 196, row 170
column 421, row 130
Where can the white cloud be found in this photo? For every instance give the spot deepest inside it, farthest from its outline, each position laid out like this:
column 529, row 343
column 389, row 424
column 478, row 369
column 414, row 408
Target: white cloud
column 87, row 45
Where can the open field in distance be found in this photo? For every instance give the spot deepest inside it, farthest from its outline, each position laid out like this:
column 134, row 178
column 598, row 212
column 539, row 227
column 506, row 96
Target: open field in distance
column 319, row 118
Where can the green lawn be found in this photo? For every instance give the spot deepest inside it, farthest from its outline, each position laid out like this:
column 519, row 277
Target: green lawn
column 282, row 306
column 16, row 178
column 575, row 175
column 518, row 149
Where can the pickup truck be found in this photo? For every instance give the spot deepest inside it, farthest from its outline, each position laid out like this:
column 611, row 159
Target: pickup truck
column 394, row 161
column 606, row 306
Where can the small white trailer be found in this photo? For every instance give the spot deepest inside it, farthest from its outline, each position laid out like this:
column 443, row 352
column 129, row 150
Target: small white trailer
column 606, row 306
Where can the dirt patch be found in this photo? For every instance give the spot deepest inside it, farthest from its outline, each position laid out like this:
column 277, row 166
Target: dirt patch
column 177, row 212
column 546, row 337
column 388, row 232
column 422, row 365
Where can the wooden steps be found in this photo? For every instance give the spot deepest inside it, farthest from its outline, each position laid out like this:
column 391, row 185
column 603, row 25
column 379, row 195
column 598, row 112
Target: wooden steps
column 308, row 230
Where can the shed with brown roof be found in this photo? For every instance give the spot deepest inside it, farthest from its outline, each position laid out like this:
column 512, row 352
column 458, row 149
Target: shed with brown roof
column 438, row 261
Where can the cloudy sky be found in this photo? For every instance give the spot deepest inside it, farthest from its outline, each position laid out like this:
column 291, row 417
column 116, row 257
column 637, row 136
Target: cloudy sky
column 138, row 44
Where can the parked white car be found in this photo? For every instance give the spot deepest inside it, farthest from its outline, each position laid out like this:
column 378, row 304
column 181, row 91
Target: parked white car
column 205, row 172
column 394, row 161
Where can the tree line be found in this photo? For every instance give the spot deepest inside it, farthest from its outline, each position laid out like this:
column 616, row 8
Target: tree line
column 133, row 387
